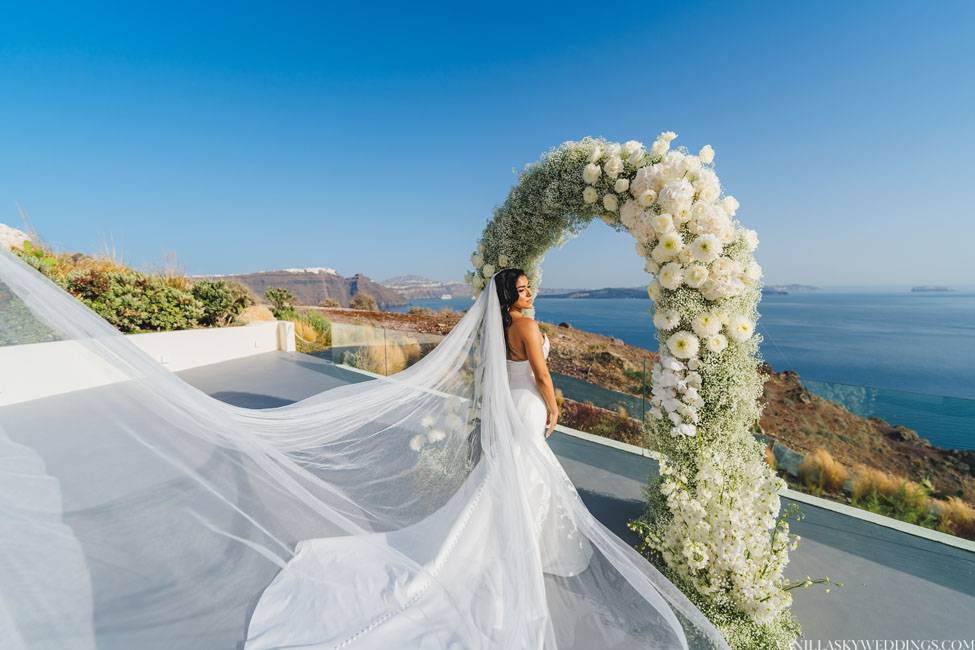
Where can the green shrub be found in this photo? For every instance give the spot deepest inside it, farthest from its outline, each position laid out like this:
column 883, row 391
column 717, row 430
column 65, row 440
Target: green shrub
column 282, row 303
column 135, row 302
column 222, row 303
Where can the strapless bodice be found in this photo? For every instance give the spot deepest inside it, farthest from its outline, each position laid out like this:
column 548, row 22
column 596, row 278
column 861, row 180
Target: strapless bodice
column 516, row 368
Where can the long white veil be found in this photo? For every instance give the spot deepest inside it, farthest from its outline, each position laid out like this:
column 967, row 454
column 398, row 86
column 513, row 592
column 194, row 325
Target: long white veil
column 142, row 513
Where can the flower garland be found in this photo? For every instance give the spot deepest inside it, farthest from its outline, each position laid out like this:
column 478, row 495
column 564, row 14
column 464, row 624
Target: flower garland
column 712, row 509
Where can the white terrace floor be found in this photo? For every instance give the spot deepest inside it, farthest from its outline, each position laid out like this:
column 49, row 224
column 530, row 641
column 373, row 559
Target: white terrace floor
column 897, row 586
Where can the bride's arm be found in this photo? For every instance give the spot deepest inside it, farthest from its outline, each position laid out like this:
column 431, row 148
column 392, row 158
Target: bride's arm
column 536, row 358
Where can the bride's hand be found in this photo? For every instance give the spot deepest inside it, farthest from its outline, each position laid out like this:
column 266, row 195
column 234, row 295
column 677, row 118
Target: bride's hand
column 550, row 421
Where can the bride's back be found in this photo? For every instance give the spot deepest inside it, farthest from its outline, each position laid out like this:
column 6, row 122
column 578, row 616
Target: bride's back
column 519, row 333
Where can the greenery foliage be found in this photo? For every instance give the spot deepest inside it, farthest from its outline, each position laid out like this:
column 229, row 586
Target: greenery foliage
column 363, row 301
column 222, row 302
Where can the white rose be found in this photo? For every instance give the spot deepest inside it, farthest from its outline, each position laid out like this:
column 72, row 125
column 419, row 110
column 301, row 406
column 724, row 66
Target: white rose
column 503, row 260
column 723, row 265
column 685, row 256
column 591, row 173
column 753, row 271
column 696, row 275
column 613, row 166
column 683, row 344
column 428, row 422
column 608, row 219
column 647, row 198
column 631, row 146
column 595, row 154
column 660, row 147
column 637, row 157
column 691, row 164
column 652, row 267
column 477, row 260
column 671, row 276
column 731, row 205
column 454, row 423
column 417, row 442
column 641, row 249
column 436, row 435
column 613, row 149
column 663, row 223
column 480, row 248
column 667, row 136
column 610, row 202
column 621, row 185
column 751, row 239
column 722, row 315
column 589, row 195
column 487, row 270
column 707, row 154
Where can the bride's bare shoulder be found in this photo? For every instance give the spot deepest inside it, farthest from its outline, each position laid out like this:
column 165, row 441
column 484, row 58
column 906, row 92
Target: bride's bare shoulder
column 527, row 327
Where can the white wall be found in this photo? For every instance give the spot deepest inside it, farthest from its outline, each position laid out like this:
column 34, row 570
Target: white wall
column 41, row 369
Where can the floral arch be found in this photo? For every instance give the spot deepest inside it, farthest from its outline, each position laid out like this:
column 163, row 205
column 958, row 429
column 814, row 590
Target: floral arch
column 711, row 520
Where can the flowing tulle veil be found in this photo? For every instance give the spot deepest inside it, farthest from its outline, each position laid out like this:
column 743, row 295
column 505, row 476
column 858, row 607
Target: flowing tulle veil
column 139, row 512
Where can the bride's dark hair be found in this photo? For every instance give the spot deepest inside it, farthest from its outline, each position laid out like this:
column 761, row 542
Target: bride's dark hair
column 506, row 281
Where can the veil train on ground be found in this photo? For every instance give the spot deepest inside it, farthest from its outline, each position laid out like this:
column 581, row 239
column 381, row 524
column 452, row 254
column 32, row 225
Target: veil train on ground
column 142, row 513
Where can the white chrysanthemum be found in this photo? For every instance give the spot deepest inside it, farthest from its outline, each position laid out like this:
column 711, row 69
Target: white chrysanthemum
column 487, row 270
column 436, row 435
column 647, row 198
column 706, row 248
column 622, row 184
column 652, row 266
column 613, row 166
column 683, row 344
column 428, row 421
column 740, row 328
column 685, row 257
column 477, row 260
column 591, row 173
column 671, row 242
column 751, row 239
column 454, row 423
column 653, row 290
column 731, row 205
column 671, row 276
column 590, row 195
column 417, row 442
column 503, row 260
column 716, row 343
column 663, row 223
column 595, row 154
column 696, row 275
column 676, row 195
column 610, row 202
column 701, row 209
column 707, row 154
column 641, row 249
column 661, row 255
column 706, row 324
column 666, row 320
column 726, row 235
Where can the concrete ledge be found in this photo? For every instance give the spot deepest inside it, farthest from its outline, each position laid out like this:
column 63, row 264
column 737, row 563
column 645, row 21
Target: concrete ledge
column 45, row 369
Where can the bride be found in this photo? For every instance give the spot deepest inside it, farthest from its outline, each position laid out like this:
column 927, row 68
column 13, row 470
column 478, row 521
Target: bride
column 422, row 510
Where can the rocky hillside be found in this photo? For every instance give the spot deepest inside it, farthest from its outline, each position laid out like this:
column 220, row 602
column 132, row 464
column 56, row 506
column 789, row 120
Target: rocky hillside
column 312, row 286
column 415, row 287
column 792, row 416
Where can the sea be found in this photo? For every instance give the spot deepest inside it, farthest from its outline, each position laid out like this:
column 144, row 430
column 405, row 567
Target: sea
column 908, row 357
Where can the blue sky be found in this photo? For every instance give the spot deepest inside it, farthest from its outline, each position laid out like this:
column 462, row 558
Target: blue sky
column 376, row 139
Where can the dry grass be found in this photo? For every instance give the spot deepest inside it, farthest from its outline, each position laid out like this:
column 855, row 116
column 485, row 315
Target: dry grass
column 868, row 480
column 305, row 330
column 173, row 272
column 956, row 517
column 820, row 471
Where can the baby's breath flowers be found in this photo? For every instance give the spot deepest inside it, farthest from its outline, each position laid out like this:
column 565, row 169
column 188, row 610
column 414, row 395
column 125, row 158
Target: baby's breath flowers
column 713, row 507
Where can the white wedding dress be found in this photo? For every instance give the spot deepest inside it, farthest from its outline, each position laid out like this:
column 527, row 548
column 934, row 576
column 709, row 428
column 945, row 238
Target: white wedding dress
column 421, row 510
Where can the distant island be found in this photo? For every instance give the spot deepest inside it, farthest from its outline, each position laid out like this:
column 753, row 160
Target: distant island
column 931, row 288
column 641, row 292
